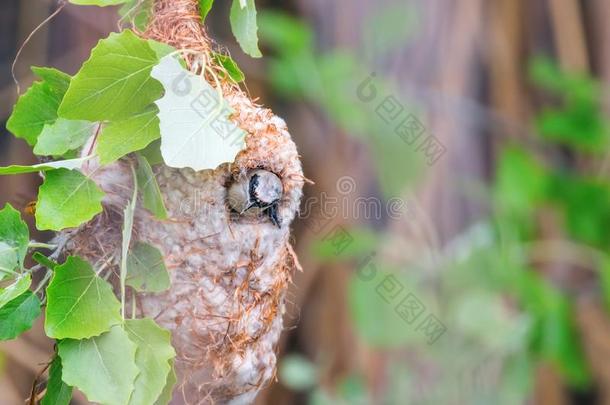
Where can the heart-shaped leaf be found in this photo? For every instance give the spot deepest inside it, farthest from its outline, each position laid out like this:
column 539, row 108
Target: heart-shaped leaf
column 79, row 303
column 146, row 269
column 102, row 367
column 243, row 24
column 67, row 199
column 58, row 392
column 115, row 82
column 14, row 240
column 196, row 131
column 153, row 354
column 62, row 136
column 18, row 315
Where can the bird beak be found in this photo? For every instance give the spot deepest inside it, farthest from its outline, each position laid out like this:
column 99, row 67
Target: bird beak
column 248, row 207
column 273, row 214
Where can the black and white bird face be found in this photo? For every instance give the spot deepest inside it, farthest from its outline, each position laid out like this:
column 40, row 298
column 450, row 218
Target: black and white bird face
column 260, row 191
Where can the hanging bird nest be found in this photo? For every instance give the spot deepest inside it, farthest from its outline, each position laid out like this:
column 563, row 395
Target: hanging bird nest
column 229, row 273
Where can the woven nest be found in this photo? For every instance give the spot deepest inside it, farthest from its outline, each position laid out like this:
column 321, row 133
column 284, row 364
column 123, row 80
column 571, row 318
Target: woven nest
column 229, row 274
column 178, row 24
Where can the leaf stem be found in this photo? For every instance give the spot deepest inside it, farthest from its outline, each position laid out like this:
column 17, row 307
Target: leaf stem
column 11, row 272
column 127, row 233
column 42, row 283
column 38, row 245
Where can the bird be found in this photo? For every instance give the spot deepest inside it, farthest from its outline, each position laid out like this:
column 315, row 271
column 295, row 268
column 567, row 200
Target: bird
column 259, row 192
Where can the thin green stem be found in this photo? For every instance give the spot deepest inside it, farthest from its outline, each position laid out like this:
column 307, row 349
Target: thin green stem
column 44, row 281
column 128, row 215
column 38, row 245
column 11, row 272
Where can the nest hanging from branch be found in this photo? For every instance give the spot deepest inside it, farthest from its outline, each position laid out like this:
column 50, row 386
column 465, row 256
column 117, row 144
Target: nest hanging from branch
column 178, row 23
column 229, row 274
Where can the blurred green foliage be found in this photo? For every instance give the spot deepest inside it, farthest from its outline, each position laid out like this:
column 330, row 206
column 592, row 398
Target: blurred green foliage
column 502, row 315
column 576, row 121
column 374, row 317
column 363, row 240
column 329, row 80
column 530, row 185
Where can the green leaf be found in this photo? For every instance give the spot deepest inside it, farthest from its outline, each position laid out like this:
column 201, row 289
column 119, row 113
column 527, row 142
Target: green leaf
column 62, row 136
column 43, row 167
column 168, row 389
column 151, row 193
column 547, row 74
column 152, row 153
column 57, row 80
column 44, row 261
column 243, row 25
column 9, row 261
column 521, row 181
column 586, row 207
column 561, row 344
column 287, row 34
column 161, row 49
column 79, row 303
column 122, row 137
column 102, row 367
column 38, row 105
column 14, row 239
column 67, row 199
column 196, row 131
column 556, row 337
column 231, row 67
column 153, row 355
column 128, row 215
column 114, row 83
column 58, row 392
column 579, row 125
column 101, row 3
column 18, row 315
column 13, row 291
column 578, row 120
column 204, row 8
column 146, row 269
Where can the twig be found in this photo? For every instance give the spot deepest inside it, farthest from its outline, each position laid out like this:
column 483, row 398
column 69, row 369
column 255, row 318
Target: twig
column 62, row 4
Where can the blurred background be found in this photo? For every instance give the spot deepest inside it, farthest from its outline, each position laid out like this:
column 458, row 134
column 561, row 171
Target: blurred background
column 455, row 242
